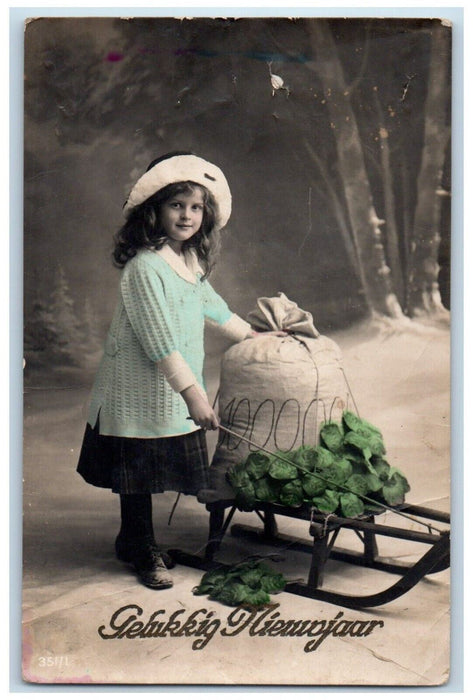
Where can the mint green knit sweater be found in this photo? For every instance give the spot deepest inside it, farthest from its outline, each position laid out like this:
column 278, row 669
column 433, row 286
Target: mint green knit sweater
column 155, row 346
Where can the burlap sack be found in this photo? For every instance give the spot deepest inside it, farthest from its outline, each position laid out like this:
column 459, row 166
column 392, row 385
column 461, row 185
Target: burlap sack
column 275, row 391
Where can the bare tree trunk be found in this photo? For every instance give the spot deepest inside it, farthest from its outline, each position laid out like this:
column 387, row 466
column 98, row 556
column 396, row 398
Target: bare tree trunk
column 423, row 268
column 392, row 238
column 375, row 274
column 337, row 210
column 407, row 214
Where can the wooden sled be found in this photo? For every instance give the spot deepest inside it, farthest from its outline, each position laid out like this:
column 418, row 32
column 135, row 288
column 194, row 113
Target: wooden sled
column 324, row 531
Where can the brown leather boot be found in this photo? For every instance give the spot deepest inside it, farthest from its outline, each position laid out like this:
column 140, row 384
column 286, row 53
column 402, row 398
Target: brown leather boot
column 145, row 557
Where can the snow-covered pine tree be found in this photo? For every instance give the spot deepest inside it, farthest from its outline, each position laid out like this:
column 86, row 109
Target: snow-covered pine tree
column 39, row 334
column 92, row 337
column 66, row 326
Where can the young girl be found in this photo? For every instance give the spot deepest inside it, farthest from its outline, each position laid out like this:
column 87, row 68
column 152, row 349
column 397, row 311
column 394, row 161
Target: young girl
column 139, row 439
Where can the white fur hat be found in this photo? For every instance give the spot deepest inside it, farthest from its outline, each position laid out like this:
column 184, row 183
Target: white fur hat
column 183, row 168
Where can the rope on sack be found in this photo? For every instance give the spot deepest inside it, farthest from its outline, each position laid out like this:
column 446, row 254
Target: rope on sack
column 302, row 342
column 429, row 526
column 368, row 499
column 350, row 392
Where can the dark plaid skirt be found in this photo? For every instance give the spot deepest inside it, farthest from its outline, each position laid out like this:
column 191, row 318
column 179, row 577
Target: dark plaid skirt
column 145, row 465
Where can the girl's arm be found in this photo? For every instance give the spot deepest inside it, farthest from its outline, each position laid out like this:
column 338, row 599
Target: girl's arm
column 200, row 410
column 229, row 324
column 218, row 315
column 147, row 310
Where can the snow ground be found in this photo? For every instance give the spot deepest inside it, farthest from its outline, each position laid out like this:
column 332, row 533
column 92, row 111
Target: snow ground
column 72, row 584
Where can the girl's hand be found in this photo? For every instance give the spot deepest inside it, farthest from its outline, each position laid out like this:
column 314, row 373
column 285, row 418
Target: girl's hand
column 200, row 410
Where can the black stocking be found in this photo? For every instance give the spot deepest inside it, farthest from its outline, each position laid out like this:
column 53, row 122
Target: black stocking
column 137, row 522
column 136, row 516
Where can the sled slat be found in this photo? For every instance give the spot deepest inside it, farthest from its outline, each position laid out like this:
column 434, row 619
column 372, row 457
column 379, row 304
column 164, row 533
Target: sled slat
column 323, row 531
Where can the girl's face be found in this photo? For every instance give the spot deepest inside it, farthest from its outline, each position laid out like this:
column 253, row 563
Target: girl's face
column 181, row 217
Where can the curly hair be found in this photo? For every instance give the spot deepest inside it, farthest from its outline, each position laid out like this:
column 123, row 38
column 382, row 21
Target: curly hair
column 143, row 228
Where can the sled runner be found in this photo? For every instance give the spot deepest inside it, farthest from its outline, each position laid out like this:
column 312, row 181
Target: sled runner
column 324, row 530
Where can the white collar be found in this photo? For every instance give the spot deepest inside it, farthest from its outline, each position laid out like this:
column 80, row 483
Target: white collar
column 186, row 266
